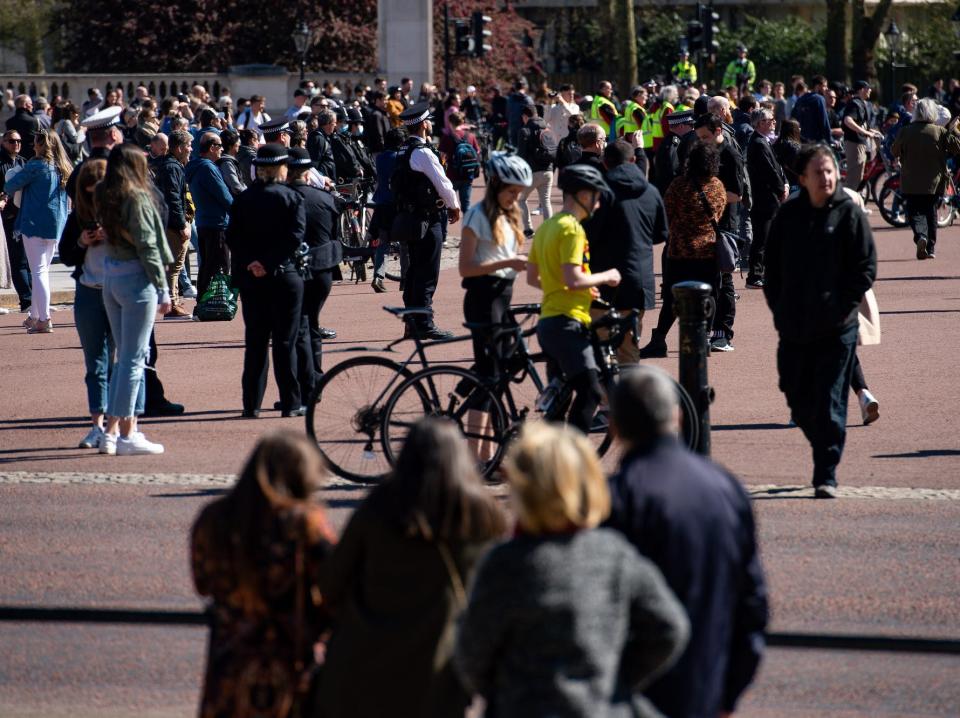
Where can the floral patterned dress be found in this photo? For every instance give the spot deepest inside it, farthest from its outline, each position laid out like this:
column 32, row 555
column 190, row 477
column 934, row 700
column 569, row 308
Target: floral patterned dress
column 261, row 651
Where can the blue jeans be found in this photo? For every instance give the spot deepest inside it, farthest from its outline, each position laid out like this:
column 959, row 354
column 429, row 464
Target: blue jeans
column 93, row 327
column 463, row 190
column 131, row 304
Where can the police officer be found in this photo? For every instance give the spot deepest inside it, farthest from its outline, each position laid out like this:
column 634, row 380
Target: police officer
column 741, row 71
column 276, row 132
column 267, row 227
column 357, row 146
column 324, row 253
column 348, row 166
column 684, row 72
column 424, row 194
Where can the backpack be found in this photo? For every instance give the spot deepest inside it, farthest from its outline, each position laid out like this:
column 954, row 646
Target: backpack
column 465, row 161
column 539, row 153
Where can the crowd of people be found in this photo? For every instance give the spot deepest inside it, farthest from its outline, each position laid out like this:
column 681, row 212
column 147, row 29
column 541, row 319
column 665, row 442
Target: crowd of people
column 619, row 597
column 672, row 165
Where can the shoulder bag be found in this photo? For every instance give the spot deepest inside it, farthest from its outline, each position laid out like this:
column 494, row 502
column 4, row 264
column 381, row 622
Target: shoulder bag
column 728, row 254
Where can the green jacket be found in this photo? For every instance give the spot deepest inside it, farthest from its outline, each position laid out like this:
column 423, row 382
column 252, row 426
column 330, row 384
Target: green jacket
column 145, row 239
column 922, row 148
column 735, row 68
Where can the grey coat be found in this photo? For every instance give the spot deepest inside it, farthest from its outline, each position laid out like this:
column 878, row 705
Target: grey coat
column 568, row 625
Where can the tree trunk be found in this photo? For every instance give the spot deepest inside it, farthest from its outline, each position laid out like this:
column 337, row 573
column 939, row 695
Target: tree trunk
column 33, row 28
column 621, row 62
column 866, row 32
column 836, row 40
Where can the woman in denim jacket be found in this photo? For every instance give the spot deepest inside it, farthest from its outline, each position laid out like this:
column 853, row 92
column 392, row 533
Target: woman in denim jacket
column 134, row 284
column 43, row 213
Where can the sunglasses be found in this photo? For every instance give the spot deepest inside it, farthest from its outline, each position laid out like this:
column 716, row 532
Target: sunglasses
column 14, row 142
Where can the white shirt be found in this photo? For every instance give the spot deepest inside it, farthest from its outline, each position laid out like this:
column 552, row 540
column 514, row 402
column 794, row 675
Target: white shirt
column 488, row 250
column 249, row 121
column 423, row 160
column 557, row 117
column 291, row 114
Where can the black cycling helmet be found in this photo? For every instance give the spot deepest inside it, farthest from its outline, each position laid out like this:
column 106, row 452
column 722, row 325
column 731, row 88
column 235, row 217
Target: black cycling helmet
column 574, row 178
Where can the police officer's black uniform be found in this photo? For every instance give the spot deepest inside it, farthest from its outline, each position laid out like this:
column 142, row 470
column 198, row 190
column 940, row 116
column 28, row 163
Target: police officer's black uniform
column 268, row 225
column 325, row 253
column 417, row 198
column 344, row 157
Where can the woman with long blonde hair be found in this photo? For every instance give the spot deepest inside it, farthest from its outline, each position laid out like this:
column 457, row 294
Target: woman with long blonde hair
column 134, row 288
column 43, row 213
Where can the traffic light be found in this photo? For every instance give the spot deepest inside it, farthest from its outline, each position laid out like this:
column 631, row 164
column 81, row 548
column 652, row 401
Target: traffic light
column 694, row 36
column 480, row 34
column 709, row 20
column 463, row 39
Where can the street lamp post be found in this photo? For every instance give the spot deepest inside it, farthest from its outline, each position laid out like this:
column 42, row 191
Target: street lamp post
column 955, row 21
column 893, row 36
column 301, row 38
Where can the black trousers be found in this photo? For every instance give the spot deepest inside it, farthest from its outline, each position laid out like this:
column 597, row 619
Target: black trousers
column 762, row 219
column 309, row 341
column 424, row 268
column 19, row 267
column 683, row 270
column 922, row 215
column 214, row 256
column 272, row 308
column 153, row 387
column 815, row 378
column 487, row 301
column 726, row 306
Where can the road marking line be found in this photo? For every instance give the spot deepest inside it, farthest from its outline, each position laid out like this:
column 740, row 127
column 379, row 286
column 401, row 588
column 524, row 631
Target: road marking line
column 890, row 493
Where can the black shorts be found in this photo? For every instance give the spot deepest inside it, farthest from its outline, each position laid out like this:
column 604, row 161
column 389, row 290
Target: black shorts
column 566, row 342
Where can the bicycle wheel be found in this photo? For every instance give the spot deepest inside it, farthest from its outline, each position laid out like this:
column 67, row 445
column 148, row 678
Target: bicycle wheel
column 892, row 207
column 345, row 413
column 455, row 394
column 946, row 207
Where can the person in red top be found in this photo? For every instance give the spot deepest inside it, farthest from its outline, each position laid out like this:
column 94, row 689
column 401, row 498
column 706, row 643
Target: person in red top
column 461, row 173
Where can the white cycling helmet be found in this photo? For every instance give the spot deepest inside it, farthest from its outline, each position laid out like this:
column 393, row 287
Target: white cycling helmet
column 510, row 169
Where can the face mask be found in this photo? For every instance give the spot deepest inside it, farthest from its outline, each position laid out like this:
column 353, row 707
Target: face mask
column 345, row 130
column 357, row 132
column 771, row 135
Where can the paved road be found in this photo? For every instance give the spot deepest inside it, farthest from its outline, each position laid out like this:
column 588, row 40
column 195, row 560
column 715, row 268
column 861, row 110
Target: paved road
column 78, row 528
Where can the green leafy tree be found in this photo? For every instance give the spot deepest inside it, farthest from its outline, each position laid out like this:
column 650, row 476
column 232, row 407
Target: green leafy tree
column 26, row 25
column 658, row 42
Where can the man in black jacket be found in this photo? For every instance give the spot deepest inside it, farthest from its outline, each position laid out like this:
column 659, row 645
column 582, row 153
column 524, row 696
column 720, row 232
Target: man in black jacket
column 532, row 147
column 672, row 152
column 348, row 167
column 318, row 144
column 9, row 158
column 376, row 124
column 172, row 185
column 769, row 187
column 629, row 226
column 694, row 521
column 820, row 260
column 592, row 141
column 25, row 123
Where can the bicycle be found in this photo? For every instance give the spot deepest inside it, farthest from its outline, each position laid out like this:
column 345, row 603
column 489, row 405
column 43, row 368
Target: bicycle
column 488, row 411
column 354, row 221
column 892, row 204
column 345, row 412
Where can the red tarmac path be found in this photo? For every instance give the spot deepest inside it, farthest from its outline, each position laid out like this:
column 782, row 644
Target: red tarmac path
column 885, row 562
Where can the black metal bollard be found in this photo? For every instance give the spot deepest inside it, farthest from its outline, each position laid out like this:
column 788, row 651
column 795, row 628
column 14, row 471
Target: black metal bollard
column 694, row 304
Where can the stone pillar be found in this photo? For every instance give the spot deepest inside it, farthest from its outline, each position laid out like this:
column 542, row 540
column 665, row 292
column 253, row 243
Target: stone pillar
column 405, row 35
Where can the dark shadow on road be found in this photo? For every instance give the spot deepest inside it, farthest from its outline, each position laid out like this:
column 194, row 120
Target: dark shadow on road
column 923, row 311
column 787, row 492
column 191, row 494
column 87, row 454
column 343, row 503
column 749, row 427
column 914, row 279
column 49, row 420
column 921, row 454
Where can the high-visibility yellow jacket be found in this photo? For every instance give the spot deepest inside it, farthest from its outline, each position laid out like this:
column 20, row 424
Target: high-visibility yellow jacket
column 684, row 71
column 597, row 117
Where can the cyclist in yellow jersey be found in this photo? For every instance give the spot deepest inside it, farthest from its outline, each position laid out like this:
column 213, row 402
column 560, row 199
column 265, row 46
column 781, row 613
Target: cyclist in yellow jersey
column 559, row 265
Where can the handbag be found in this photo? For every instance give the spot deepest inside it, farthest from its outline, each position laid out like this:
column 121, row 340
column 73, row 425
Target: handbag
column 868, row 332
column 728, row 253
column 219, row 302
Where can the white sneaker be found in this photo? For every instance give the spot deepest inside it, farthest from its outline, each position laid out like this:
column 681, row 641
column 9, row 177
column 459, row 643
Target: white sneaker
column 92, row 439
column 108, row 444
column 869, row 407
column 136, row 444
column 189, row 293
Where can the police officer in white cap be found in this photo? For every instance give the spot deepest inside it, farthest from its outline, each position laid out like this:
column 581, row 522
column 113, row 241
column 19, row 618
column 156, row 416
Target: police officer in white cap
column 104, row 131
column 426, row 201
